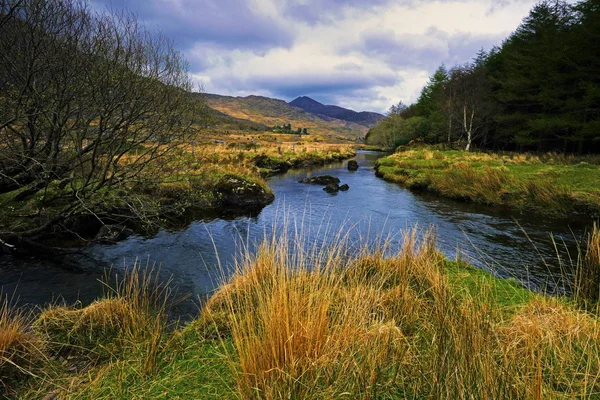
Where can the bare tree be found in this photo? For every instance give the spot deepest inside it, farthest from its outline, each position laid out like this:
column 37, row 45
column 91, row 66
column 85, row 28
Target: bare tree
column 87, row 102
column 469, row 102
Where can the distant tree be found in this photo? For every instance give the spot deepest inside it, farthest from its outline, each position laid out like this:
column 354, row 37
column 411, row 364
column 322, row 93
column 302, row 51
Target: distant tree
column 305, row 131
column 397, row 108
column 299, row 131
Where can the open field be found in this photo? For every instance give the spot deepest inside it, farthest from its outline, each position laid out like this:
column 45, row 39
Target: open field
column 549, row 184
column 323, row 323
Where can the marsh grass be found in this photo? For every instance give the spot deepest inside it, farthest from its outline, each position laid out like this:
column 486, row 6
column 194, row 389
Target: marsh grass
column 549, row 184
column 325, row 324
column 299, row 321
column 21, row 348
column 587, row 276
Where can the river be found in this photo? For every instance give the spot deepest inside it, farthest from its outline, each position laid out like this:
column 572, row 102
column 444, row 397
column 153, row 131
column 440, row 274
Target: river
column 530, row 249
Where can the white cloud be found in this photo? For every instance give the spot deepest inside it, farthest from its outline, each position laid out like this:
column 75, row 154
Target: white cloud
column 330, row 58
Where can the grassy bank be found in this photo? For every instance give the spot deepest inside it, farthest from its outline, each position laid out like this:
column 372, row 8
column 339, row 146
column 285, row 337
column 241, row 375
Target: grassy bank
column 209, row 174
column 326, row 323
column 550, row 184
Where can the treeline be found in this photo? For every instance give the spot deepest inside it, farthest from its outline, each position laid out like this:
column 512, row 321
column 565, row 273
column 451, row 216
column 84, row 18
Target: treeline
column 287, row 128
column 538, row 91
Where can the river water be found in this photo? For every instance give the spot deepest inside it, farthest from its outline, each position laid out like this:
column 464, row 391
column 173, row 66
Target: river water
column 530, row 249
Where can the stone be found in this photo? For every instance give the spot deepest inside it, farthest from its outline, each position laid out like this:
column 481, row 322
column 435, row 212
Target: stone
column 234, row 191
column 332, row 188
column 110, row 234
column 344, row 187
column 352, row 165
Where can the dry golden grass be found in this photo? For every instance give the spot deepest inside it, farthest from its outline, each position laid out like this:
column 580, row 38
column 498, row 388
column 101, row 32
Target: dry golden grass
column 587, row 277
column 21, row 348
column 553, row 350
column 321, row 324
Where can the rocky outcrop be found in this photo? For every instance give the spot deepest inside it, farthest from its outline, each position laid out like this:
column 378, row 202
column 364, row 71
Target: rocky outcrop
column 236, row 192
column 352, row 165
column 321, row 180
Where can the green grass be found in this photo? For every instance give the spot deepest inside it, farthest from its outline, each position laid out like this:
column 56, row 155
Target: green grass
column 507, row 294
column 199, row 370
column 548, row 185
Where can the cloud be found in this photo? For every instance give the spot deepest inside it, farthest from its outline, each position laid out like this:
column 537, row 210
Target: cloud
column 362, row 54
column 427, row 50
column 232, row 24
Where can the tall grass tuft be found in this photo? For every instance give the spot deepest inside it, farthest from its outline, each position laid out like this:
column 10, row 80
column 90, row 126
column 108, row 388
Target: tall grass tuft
column 587, row 277
column 20, row 347
column 132, row 317
column 321, row 324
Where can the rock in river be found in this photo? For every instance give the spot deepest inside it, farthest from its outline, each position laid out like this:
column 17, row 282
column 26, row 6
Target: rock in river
column 344, row 187
column 332, row 188
column 352, row 165
column 321, row 180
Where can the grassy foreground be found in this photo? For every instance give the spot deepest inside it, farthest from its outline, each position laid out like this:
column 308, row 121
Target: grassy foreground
column 551, row 184
column 326, row 323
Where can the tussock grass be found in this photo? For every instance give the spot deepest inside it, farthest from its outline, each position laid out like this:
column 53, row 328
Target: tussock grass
column 549, row 184
column 21, row 348
column 587, row 277
column 333, row 321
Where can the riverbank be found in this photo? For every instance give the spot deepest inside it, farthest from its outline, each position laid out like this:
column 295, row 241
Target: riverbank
column 551, row 184
column 202, row 177
column 409, row 325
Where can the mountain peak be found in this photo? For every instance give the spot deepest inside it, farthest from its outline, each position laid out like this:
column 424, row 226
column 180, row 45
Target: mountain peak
column 314, row 107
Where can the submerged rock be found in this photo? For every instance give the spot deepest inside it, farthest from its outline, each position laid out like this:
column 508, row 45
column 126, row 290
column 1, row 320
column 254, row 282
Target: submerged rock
column 321, row 180
column 352, row 165
column 344, row 187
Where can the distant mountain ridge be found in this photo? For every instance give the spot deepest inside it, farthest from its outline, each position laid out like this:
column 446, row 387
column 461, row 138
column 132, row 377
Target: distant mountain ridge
column 258, row 111
column 323, row 111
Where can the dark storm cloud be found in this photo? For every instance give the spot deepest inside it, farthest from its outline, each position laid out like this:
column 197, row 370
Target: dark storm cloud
column 423, row 51
column 313, row 84
column 232, row 24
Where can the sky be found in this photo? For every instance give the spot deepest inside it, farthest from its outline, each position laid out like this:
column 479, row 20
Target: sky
column 359, row 54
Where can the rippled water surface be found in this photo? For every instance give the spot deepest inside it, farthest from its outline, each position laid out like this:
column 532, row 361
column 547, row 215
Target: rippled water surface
column 519, row 246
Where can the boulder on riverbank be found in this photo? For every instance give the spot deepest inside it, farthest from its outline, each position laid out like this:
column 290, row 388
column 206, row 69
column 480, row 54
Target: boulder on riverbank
column 110, row 234
column 236, row 192
column 352, row 165
column 272, row 165
column 321, row 180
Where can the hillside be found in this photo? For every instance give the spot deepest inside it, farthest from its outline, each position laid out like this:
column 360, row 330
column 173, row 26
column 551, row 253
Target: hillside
column 273, row 112
column 365, row 118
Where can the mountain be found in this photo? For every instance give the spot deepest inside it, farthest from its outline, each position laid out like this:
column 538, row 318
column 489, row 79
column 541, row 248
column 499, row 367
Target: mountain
column 365, row 118
column 265, row 111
